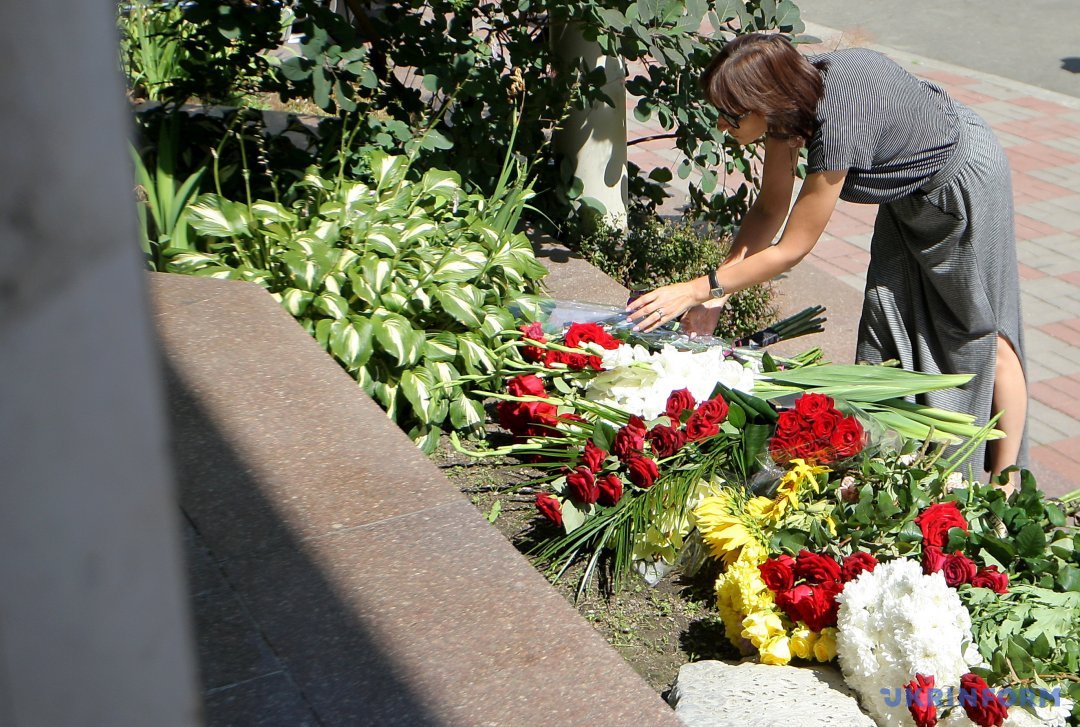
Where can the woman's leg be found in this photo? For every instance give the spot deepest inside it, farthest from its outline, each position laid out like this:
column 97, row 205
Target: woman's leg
column 1010, row 398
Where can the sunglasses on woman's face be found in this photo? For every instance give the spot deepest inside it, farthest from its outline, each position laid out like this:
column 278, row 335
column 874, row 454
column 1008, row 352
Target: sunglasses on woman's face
column 731, row 119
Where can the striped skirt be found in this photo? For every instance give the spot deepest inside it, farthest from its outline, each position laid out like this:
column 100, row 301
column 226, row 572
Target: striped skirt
column 943, row 280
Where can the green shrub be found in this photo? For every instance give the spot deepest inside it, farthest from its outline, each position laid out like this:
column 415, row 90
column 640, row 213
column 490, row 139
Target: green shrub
column 405, row 279
column 654, row 252
column 460, row 69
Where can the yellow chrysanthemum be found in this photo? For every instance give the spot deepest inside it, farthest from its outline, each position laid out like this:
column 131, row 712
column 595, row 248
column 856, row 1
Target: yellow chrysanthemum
column 825, row 648
column 776, row 651
column 723, row 524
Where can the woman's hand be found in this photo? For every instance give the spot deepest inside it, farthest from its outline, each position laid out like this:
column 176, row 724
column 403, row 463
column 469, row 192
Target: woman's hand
column 701, row 320
column 659, row 306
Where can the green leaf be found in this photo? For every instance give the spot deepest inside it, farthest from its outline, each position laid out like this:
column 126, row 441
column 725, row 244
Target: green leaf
column 466, row 413
column 296, row 301
column 603, row 435
column 459, row 267
column 1069, row 578
column 218, row 217
column 441, row 346
column 332, row 305
column 1031, row 540
column 396, row 336
column 462, row 302
column 572, row 517
column 350, row 341
column 475, row 355
column 272, row 212
column 417, row 385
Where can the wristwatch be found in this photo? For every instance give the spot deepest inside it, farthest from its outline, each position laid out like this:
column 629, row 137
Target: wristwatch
column 715, row 289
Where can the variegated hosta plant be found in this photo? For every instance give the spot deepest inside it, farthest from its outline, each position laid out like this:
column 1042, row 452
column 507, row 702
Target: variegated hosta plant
column 405, row 279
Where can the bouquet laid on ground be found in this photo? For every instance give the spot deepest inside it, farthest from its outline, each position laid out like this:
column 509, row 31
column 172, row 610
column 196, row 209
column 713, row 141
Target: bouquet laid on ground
column 944, row 601
column 634, row 431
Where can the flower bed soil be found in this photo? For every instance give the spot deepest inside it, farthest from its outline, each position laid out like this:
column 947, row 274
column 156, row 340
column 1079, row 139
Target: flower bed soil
column 656, row 629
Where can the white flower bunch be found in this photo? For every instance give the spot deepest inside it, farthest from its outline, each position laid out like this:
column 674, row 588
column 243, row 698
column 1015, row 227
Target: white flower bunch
column 639, row 382
column 895, row 622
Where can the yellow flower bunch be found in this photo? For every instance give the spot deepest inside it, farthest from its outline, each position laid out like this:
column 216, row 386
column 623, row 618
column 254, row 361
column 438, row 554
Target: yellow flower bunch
column 726, row 524
column 747, row 608
column 728, row 520
column 801, row 476
column 807, row 644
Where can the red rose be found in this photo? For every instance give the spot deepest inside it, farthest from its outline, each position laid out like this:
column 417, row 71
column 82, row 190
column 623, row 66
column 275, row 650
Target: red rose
column 526, row 385
column 541, row 418
column 528, row 418
column 642, row 471
column 825, row 424
column 637, row 424
column 665, row 440
column 933, row 559
column 936, row 520
column 699, row 426
column 983, row 707
column 782, row 449
column 855, row 564
column 920, row 704
column 816, row 568
column 790, row 424
column 533, row 332
column 579, row 333
column 575, row 361
column 610, row 487
column 582, row 486
column 990, row 577
column 593, row 457
column 678, row 402
column 715, row 410
column 958, row 569
column 815, row 606
column 511, row 416
column 628, row 441
column 778, row 573
column 847, row 438
column 549, row 507
column 810, row 406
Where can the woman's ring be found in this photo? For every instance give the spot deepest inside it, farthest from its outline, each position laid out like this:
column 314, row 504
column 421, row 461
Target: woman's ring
column 659, row 312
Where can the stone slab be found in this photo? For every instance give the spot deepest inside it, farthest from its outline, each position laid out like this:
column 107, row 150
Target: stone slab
column 267, row 429
column 431, row 617
column 575, row 278
column 719, row 694
column 271, row 701
column 360, row 587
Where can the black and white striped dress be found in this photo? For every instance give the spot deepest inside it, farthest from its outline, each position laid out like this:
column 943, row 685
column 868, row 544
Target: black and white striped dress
column 943, row 280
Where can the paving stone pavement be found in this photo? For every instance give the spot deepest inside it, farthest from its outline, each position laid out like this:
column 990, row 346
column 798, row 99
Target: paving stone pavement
column 1040, row 131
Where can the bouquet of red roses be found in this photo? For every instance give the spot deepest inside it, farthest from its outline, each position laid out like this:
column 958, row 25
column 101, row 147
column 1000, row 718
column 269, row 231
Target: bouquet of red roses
column 816, row 432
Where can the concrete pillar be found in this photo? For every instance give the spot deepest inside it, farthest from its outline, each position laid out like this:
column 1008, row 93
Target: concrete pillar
column 594, row 140
column 94, row 626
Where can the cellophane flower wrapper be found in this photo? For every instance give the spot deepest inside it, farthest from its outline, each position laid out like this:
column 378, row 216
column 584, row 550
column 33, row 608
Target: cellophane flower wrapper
column 875, row 439
column 557, row 315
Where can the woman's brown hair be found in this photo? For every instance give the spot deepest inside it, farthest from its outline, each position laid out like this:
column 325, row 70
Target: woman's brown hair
column 763, row 73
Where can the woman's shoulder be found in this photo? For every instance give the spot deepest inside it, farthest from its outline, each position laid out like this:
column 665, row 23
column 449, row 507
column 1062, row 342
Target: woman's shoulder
column 855, row 62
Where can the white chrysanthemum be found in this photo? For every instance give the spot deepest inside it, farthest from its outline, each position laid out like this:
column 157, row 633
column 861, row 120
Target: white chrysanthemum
column 639, row 382
column 895, row 622
column 1054, row 715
